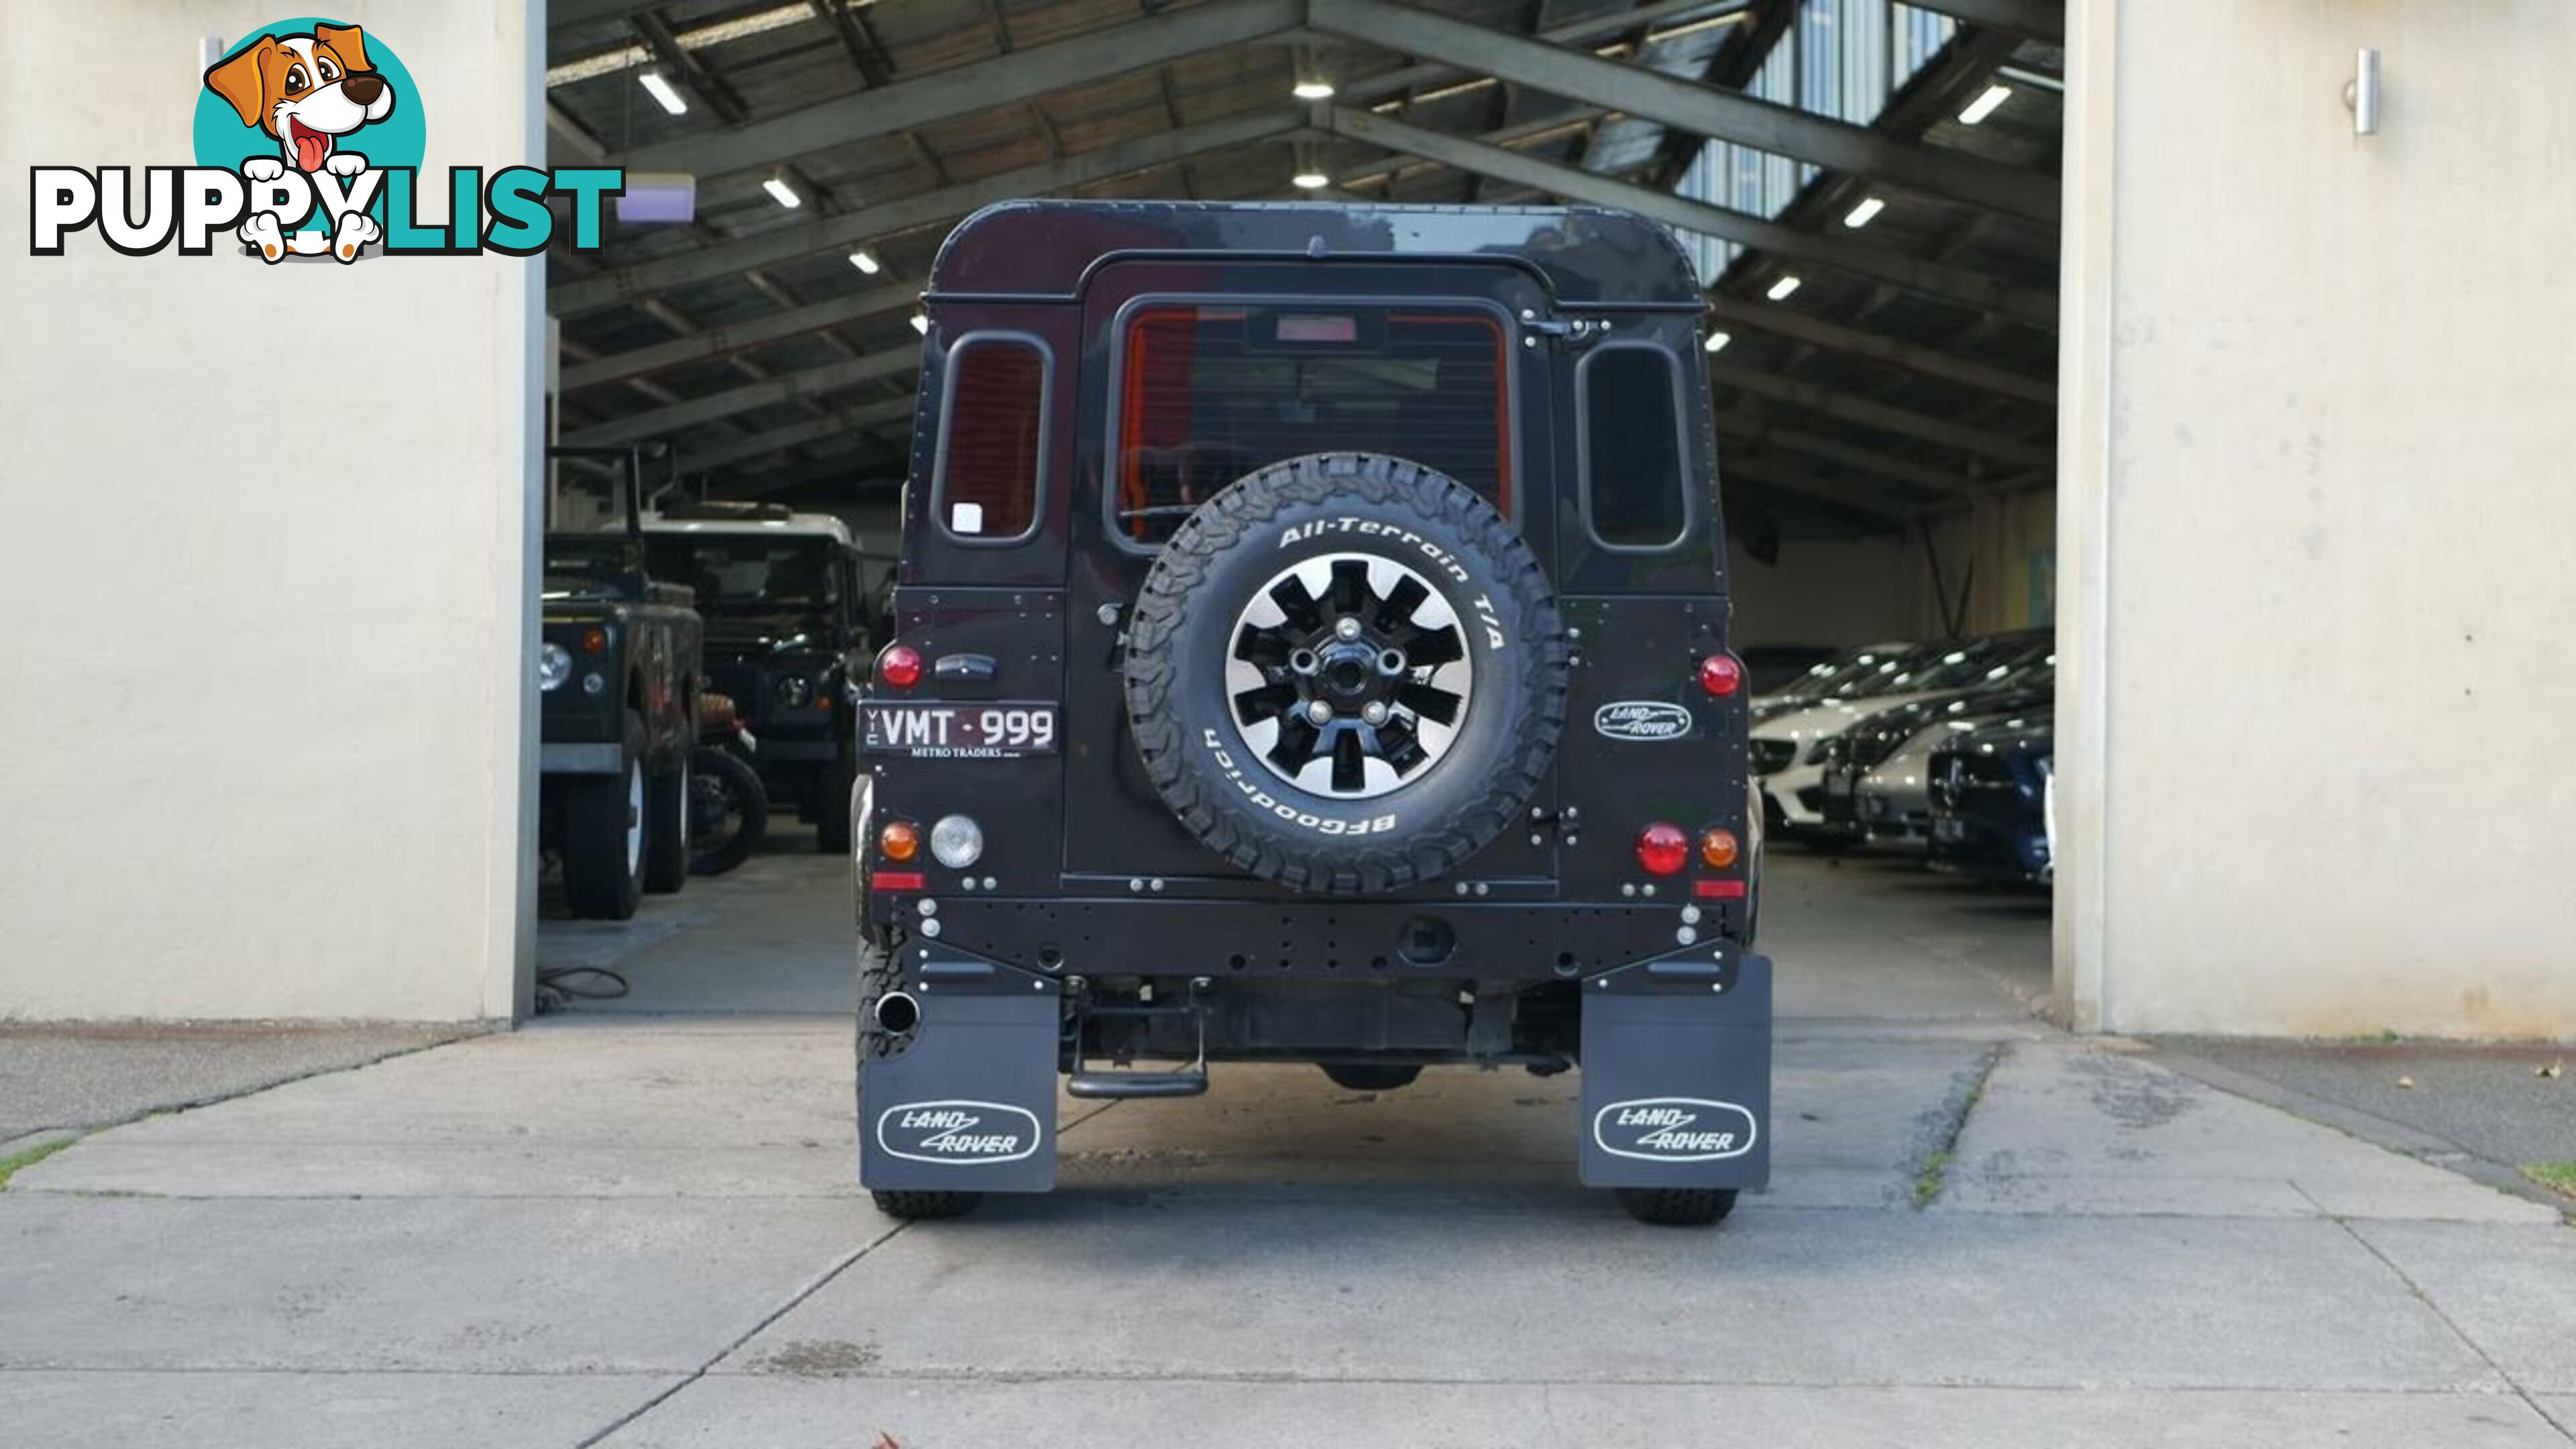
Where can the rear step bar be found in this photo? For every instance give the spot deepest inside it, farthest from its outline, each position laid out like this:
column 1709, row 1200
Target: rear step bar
column 1189, row 1081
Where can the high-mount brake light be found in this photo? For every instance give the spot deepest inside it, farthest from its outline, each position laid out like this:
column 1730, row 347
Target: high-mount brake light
column 1662, row 848
column 1717, row 848
column 899, row 840
column 1721, row 675
column 900, row 666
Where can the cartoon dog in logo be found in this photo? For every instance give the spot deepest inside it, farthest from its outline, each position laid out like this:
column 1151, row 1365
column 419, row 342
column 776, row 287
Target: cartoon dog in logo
column 307, row 91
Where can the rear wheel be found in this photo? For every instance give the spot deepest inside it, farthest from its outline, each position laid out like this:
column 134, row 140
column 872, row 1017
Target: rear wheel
column 832, row 806
column 920, row 1206
column 1678, row 1207
column 603, row 835
column 1370, row 1077
column 728, row 812
column 666, row 830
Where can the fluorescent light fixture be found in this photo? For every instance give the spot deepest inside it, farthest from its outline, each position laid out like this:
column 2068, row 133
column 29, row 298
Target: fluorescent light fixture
column 866, row 261
column 1717, row 342
column 1781, row 289
column 1865, row 213
column 782, row 193
column 661, row 90
column 1311, row 180
column 1984, row 105
column 1311, row 82
column 921, row 323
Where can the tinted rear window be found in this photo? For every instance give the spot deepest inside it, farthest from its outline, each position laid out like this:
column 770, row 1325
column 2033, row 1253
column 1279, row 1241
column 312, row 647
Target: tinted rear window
column 1209, row 394
column 1632, row 447
column 996, row 414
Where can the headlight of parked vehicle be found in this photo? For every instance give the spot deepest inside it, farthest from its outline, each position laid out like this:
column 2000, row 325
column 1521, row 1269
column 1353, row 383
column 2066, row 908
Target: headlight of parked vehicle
column 554, row 666
column 795, row 690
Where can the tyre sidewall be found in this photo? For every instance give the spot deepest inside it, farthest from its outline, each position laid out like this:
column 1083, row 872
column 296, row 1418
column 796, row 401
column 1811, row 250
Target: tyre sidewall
column 1510, row 630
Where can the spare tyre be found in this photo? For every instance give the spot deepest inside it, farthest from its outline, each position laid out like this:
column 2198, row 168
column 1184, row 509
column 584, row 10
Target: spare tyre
column 1346, row 673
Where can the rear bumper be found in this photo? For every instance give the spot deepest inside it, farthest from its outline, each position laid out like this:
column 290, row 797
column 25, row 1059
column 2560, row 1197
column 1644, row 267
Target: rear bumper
column 1494, row 937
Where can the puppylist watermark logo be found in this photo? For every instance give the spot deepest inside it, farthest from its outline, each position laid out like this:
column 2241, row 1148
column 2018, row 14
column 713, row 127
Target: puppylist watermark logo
column 309, row 136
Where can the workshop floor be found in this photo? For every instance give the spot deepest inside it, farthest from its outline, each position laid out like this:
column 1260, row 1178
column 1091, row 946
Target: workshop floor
column 635, row 1229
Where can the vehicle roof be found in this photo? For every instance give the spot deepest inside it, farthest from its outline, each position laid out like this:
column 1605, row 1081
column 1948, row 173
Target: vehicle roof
column 1585, row 255
column 795, row 525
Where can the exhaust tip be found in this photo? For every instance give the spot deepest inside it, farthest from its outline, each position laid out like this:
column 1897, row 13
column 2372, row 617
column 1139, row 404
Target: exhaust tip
column 897, row 1013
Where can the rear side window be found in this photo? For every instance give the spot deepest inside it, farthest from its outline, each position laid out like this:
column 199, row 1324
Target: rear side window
column 1210, row 393
column 1634, row 478
column 992, row 439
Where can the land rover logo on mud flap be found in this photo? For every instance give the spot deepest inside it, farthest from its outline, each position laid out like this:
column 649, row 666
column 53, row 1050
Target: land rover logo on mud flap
column 1675, row 1129
column 1641, row 719
column 958, row 1133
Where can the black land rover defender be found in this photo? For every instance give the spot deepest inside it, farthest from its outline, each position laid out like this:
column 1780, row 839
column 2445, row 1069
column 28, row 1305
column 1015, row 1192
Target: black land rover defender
column 618, row 660
column 1309, row 644
column 786, row 613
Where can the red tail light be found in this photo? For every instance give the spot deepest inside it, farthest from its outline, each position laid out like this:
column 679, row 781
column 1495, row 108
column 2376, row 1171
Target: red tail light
column 1662, row 849
column 1720, row 675
column 900, row 667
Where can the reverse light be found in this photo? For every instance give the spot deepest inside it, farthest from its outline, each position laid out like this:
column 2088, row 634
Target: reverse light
column 1662, row 848
column 1721, row 675
column 1718, row 848
column 957, row 841
column 899, row 840
column 900, row 666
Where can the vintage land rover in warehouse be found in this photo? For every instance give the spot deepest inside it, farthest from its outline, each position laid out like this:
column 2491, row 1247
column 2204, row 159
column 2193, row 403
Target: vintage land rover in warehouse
column 1309, row 644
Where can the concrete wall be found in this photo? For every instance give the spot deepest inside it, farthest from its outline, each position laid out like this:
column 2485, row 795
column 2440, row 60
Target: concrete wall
column 261, row 688
column 2314, row 745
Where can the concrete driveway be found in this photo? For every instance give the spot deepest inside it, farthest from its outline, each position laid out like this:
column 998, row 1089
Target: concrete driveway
column 643, row 1231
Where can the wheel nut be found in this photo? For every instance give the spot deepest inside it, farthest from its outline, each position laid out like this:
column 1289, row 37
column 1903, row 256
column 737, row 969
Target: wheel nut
column 1319, row 712
column 1346, row 628
column 1374, row 711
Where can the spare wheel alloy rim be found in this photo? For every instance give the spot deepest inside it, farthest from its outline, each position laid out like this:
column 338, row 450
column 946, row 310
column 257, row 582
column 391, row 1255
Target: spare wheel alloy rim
column 1348, row 676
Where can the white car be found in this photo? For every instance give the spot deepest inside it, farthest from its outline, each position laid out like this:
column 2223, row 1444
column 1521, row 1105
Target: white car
column 1787, row 750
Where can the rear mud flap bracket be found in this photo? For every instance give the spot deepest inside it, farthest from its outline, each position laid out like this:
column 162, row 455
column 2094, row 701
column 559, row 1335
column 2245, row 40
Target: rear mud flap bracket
column 966, row 1100
column 1676, row 1072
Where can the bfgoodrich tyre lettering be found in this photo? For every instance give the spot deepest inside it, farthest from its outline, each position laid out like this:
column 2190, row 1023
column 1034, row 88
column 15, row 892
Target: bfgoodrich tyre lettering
column 1346, row 673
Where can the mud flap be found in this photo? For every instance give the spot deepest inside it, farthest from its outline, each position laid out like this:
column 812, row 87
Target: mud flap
column 1677, row 1071
column 965, row 1102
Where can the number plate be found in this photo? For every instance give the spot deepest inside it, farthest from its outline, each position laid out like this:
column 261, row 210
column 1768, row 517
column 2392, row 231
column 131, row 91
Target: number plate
column 999, row 730
column 1949, row 827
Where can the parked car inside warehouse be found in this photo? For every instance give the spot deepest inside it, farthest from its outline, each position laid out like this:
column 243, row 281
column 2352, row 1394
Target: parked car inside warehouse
column 1994, row 801
column 617, row 677
column 1789, row 749
column 786, row 621
column 1840, row 674
column 1876, row 771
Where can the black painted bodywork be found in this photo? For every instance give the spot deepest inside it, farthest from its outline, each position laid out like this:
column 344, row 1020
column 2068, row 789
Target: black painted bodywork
column 1989, row 801
column 1089, row 893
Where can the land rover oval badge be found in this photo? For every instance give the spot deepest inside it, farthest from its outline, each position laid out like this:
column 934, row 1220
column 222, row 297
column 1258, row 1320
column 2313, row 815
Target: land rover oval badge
column 958, row 1133
column 1641, row 719
column 1674, row 1129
